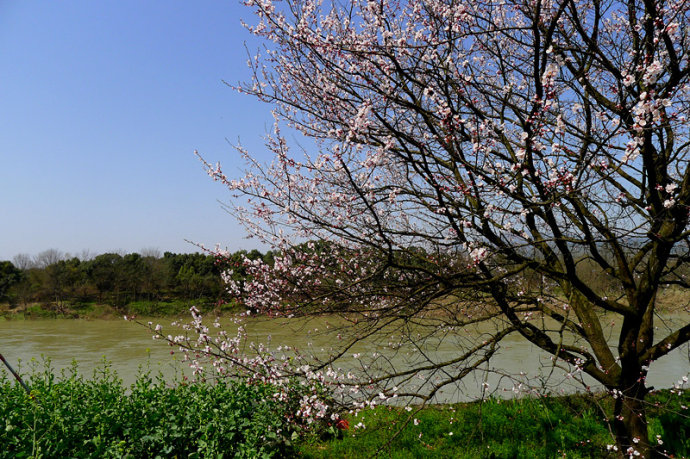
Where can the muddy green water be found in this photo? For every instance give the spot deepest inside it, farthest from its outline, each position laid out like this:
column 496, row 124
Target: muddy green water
column 128, row 347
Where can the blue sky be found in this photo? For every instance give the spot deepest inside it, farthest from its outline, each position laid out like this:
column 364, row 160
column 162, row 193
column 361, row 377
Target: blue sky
column 102, row 105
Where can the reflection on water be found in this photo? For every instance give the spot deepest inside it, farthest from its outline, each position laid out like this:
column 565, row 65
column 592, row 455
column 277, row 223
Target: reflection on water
column 128, row 346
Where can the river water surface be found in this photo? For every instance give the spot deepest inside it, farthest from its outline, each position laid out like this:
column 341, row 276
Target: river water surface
column 129, row 347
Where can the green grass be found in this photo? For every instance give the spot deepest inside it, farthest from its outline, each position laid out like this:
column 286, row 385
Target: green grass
column 537, row 428
column 159, row 308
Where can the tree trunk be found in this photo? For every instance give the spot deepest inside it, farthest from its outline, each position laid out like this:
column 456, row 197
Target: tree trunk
column 630, row 422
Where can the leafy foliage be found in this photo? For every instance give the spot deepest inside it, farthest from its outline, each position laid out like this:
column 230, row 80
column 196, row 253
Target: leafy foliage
column 73, row 416
column 9, row 275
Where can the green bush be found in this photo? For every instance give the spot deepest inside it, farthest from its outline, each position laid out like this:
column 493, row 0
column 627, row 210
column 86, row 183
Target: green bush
column 71, row 416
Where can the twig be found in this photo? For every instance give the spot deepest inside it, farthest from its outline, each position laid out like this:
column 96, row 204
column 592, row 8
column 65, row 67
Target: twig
column 15, row 374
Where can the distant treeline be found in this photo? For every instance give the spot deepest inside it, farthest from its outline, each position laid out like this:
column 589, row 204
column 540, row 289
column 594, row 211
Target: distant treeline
column 117, row 279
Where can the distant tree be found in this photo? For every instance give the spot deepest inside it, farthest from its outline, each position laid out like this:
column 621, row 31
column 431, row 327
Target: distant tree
column 150, row 252
column 74, row 278
column 188, row 280
column 105, row 272
column 134, row 273
column 9, row 276
column 193, row 275
column 54, row 282
column 23, row 261
column 154, row 283
column 86, row 255
column 48, row 257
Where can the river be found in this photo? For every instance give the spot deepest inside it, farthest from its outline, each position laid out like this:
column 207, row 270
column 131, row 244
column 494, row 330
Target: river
column 129, row 347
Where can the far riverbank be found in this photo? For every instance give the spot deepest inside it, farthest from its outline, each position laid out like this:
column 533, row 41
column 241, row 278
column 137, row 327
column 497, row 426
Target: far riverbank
column 104, row 311
column 669, row 302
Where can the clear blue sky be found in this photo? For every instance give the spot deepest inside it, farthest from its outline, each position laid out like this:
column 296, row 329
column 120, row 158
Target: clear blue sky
column 102, row 104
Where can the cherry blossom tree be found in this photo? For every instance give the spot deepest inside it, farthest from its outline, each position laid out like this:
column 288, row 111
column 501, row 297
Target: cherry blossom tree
column 467, row 162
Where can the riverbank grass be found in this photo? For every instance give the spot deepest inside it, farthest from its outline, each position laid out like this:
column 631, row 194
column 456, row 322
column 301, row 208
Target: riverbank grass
column 96, row 310
column 570, row 426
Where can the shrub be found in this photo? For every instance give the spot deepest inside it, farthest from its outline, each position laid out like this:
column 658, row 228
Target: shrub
column 69, row 415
